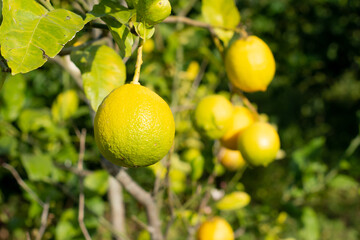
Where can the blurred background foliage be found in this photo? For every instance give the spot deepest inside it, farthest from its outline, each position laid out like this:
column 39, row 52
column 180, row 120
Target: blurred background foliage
column 312, row 193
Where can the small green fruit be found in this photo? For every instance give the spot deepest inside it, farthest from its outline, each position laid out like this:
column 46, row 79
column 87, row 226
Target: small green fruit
column 153, row 11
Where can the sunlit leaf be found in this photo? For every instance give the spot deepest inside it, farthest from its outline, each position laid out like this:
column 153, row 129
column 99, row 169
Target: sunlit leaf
column 65, row 105
column 30, row 34
column 234, row 201
column 97, row 182
column 34, row 119
column 221, row 13
column 38, row 167
column 143, row 31
column 110, row 8
column 102, row 71
column 122, row 36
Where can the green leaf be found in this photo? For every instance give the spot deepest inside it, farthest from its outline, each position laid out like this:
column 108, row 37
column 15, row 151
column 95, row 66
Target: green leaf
column 221, row 13
column 311, row 227
column 234, row 201
column 13, row 94
column 197, row 167
column 8, row 145
column 97, row 182
column 32, row 120
column 122, row 36
column 65, row 105
column 143, row 31
column 38, row 167
column 110, row 8
column 102, row 71
column 2, row 78
column 30, row 34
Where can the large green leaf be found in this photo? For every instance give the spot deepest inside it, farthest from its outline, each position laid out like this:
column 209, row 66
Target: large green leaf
column 311, row 226
column 65, row 105
column 102, row 71
column 38, row 167
column 110, row 8
column 221, row 13
column 30, row 34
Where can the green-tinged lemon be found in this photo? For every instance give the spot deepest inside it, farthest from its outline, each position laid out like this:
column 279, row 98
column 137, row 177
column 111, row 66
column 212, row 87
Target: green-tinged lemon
column 134, row 127
column 259, row 144
column 213, row 115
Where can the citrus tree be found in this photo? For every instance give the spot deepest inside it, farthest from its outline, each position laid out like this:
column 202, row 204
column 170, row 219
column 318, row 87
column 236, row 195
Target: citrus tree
column 131, row 120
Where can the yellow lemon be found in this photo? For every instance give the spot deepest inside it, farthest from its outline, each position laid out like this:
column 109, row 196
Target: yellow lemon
column 134, row 127
column 215, row 228
column 212, row 116
column 232, row 160
column 259, row 144
column 250, row 64
column 241, row 119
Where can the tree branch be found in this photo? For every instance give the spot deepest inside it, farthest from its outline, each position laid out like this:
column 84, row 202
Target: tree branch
column 117, row 206
column 140, row 195
column 139, row 62
column 44, row 218
column 82, row 137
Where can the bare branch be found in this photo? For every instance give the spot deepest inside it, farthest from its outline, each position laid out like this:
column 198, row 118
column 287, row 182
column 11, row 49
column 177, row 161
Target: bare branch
column 139, row 194
column 139, row 62
column 76, row 171
column 22, row 183
column 44, row 219
column 82, row 195
column 140, row 223
column 117, row 206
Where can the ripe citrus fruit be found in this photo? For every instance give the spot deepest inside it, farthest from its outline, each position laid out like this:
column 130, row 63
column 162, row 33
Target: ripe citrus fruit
column 241, row 119
column 215, row 228
column 213, row 115
column 250, row 64
column 232, row 160
column 134, row 127
column 259, row 144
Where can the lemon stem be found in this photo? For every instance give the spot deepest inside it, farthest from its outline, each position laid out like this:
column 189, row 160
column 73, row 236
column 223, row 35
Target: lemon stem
column 139, row 62
column 248, row 104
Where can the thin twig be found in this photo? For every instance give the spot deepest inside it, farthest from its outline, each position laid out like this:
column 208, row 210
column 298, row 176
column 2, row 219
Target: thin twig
column 81, row 186
column 22, row 183
column 44, row 219
column 76, row 171
column 195, row 23
column 140, row 195
column 247, row 103
column 139, row 62
column 141, row 223
column 198, row 79
column 169, row 193
column 207, row 196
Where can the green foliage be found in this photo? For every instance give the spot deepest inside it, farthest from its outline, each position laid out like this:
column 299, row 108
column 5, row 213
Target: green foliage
column 312, row 193
column 29, row 34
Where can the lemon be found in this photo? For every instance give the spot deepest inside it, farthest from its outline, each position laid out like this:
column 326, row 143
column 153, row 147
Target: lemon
column 259, row 144
column 212, row 116
column 232, row 160
column 250, row 64
column 134, row 127
column 215, row 228
column 241, row 119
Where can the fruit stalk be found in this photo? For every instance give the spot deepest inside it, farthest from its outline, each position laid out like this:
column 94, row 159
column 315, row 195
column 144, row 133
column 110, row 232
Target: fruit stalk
column 139, row 62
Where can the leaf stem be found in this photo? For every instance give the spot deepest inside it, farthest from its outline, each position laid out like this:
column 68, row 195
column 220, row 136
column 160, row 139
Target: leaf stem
column 139, row 62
